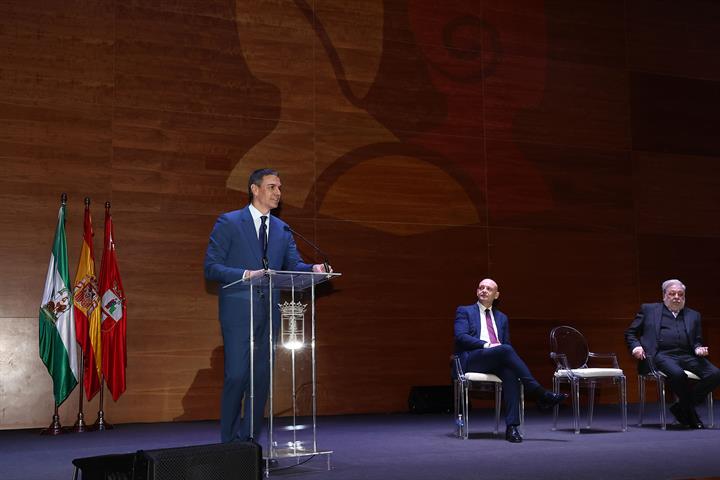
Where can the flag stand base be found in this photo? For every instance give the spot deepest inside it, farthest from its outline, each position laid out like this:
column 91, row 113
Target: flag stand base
column 55, row 428
column 80, row 425
column 101, row 423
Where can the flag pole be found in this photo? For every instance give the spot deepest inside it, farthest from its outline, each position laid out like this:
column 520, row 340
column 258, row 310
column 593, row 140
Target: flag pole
column 55, row 428
column 100, row 423
column 80, row 425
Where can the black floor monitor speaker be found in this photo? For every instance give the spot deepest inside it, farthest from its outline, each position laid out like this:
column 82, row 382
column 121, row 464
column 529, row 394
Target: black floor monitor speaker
column 225, row 461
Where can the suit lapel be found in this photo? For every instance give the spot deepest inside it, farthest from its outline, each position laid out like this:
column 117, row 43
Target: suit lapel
column 500, row 324
column 247, row 226
column 273, row 233
column 686, row 321
column 475, row 316
column 657, row 320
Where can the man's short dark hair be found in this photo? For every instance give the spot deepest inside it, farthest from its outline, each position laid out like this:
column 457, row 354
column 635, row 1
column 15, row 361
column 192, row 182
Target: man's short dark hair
column 256, row 178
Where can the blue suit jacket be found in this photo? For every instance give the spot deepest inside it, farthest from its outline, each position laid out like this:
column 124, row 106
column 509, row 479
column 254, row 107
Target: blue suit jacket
column 467, row 330
column 645, row 329
column 233, row 248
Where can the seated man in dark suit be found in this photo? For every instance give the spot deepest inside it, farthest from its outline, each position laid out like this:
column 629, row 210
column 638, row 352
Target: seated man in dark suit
column 670, row 335
column 482, row 343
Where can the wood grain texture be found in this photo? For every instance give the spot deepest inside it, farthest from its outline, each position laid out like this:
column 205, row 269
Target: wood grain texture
column 674, row 115
column 691, row 210
column 548, row 186
column 536, row 267
column 565, row 148
column 674, row 39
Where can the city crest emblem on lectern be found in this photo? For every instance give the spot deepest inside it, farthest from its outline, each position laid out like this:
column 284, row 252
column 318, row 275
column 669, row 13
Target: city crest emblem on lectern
column 292, row 316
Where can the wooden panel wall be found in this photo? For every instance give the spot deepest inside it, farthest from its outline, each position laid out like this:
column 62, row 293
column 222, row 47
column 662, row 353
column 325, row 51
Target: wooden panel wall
column 566, row 148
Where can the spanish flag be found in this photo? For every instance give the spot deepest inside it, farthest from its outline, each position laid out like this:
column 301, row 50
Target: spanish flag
column 87, row 311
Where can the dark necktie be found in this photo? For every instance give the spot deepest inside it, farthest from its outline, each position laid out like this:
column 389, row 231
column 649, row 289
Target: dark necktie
column 262, row 237
column 491, row 330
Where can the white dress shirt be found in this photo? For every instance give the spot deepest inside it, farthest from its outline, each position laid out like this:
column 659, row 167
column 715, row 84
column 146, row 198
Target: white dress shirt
column 257, row 221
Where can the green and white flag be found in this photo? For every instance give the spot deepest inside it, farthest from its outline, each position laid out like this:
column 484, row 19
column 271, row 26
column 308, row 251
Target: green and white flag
column 58, row 348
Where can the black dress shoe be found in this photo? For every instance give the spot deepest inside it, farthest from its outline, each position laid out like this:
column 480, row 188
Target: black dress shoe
column 549, row 399
column 695, row 421
column 512, row 434
column 680, row 414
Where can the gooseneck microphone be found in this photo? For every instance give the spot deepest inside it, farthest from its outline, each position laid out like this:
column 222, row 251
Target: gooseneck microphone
column 326, row 263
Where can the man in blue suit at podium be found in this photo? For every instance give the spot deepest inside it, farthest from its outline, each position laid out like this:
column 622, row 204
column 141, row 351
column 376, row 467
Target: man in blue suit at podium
column 243, row 244
column 482, row 343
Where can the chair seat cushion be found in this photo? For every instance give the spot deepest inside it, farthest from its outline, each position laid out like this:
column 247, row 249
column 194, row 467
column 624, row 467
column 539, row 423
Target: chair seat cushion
column 591, row 372
column 482, row 377
column 689, row 374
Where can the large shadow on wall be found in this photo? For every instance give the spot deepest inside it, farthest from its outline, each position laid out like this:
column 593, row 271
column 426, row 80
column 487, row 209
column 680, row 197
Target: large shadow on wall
column 202, row 400
column 390, row 95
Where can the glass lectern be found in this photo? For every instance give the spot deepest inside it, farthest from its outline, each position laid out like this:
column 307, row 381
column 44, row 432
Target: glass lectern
column 292, row 397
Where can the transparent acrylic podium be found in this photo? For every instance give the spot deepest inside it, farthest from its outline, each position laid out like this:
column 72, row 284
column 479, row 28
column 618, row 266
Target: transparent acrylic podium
column 294, row 435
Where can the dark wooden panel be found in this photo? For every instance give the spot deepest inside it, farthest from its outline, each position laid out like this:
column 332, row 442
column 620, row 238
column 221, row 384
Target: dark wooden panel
column 671, row 38
column 677, row 194
column 536, row 268
column 388, row 323
column 674, row 115
column 691, row 259
column 554, row 74
column 593, row 33
column 560, row 30
column 547, row 186
column 545, row 101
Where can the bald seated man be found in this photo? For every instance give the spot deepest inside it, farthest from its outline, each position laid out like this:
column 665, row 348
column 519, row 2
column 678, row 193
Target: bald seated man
column 482, row 343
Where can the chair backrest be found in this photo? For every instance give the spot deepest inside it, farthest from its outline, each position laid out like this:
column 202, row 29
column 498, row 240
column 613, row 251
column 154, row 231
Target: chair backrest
column 569, row 342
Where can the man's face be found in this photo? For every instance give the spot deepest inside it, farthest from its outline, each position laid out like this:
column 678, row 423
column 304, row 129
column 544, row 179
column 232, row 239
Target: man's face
column 674, row 298
column 267, row 195
column 487, row 292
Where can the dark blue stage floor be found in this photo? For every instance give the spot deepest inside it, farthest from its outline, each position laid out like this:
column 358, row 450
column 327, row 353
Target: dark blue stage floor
column 405, row 446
